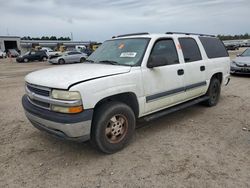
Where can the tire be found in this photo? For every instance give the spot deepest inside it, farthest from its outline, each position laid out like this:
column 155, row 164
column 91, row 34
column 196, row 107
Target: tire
column 44, row 58
column 61, row 61
column 213, row 92
column 25, row 60
column 82, row 60
column 113, row 127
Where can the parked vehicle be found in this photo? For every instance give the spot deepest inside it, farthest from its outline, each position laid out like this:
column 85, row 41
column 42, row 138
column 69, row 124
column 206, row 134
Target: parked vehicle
column 241, row 64
column 130, row 77
column 39, row 55
column 68, row 57
column 2, row 54
column 12, row 53
column 232, row 47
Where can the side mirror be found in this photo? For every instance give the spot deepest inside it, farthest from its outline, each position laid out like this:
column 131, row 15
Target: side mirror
column 238, row 55
column 156, row 61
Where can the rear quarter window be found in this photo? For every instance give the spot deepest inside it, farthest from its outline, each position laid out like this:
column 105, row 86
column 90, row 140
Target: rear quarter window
column 214, row 47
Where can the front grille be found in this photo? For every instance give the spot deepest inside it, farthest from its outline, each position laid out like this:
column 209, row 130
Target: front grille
column 243, row 64
column 38, row 91
column 40, row 103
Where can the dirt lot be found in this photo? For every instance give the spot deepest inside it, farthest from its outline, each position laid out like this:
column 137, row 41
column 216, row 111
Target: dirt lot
column 196, row 147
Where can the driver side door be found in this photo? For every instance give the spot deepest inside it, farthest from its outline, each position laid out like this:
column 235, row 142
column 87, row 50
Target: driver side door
column 163, row 85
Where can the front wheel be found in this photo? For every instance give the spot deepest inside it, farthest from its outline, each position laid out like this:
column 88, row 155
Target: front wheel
column 213, row 92
column 44, row 58
column 113, row 127
column 25, row 60
column 61, row 61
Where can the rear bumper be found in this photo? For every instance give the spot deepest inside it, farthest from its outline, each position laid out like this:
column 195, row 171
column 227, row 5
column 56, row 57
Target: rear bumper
column 74, row 127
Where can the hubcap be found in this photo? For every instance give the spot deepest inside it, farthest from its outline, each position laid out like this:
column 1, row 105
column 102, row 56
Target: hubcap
column 116, row 128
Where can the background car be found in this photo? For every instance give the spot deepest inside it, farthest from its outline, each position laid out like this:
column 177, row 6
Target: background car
column 68, row 57
column 232, row 47
column 12, row 53
column 33, row 56
column 241, row 64
column 2, row 54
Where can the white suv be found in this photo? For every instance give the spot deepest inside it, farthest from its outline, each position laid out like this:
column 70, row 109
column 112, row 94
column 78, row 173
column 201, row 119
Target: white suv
column 130, row 77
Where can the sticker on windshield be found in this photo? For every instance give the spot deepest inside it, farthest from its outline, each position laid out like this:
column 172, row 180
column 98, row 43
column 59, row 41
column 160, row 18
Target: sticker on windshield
column 128, row 54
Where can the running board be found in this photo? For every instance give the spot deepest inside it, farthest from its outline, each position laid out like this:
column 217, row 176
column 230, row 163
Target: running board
column 174, row 108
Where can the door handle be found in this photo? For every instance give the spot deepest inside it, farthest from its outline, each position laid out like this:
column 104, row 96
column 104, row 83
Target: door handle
column 180, row 72
column 202, row 68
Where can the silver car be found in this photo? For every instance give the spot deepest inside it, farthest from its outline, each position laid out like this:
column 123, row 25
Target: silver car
column 68, row 57
column 241, row 64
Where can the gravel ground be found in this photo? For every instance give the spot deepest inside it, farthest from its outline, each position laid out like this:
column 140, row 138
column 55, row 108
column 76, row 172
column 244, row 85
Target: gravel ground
column 195, row 147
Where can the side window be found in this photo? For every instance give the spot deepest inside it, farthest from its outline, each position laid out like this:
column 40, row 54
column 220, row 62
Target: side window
column 165, row 49
column 190, row 49
column 213, row 47
column 70, row 53
column 32, row 53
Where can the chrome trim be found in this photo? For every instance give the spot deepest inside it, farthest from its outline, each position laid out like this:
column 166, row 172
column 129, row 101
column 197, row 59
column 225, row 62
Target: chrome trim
column 39, row 87
column 52, row 101
column 37, row 104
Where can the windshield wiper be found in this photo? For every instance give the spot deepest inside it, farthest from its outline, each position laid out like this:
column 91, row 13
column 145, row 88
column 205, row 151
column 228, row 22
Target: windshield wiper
column 109, row 62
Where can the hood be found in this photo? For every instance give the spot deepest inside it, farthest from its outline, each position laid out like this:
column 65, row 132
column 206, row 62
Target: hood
column 64, row 76
column 242, row 60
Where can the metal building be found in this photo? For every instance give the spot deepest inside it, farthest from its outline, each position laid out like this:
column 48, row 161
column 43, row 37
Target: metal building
column 9, row 42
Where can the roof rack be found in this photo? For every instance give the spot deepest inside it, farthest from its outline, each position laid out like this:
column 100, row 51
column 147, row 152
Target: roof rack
column 131, row 34
column 190, row 34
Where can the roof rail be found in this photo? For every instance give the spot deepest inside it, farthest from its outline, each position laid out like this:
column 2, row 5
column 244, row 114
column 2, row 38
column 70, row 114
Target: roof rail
column 131, row 34
column 190, row 34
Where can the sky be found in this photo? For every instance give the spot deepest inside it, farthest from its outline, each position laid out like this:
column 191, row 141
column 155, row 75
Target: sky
column 98, row 20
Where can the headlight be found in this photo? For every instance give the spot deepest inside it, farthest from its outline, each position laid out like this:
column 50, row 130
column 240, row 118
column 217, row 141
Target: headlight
column 66, row 95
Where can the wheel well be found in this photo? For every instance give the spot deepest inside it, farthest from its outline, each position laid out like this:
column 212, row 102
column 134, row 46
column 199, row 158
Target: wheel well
column 219, row 76
column 128, row 98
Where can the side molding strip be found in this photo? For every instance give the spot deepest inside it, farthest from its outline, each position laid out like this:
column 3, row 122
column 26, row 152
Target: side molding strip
column 174, row 91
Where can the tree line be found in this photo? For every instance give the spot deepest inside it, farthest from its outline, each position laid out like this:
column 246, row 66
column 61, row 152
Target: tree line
column 234, row 37
column 44, row 38
column 221, row 37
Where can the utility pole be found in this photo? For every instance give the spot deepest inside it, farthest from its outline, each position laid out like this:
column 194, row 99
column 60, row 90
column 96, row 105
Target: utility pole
column 71, row 36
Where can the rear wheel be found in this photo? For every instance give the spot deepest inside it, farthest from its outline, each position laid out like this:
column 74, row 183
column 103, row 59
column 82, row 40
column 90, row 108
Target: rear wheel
column 82, row 60
column 213, row 92
column 61, row 61
column 113, row 127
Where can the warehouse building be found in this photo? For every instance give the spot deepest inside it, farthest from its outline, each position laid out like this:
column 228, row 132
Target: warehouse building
column 9, row 42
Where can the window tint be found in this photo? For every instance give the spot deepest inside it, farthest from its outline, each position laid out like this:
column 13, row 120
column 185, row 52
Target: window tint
column 190, row 49
column 213, row 47
column 166, row 49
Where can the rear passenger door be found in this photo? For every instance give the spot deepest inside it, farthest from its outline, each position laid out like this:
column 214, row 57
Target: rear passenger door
column 195, row 68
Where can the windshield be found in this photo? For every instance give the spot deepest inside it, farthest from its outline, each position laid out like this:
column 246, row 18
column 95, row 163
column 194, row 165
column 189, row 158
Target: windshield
column 120, row 51
column 27, row 53
column 246, row 52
